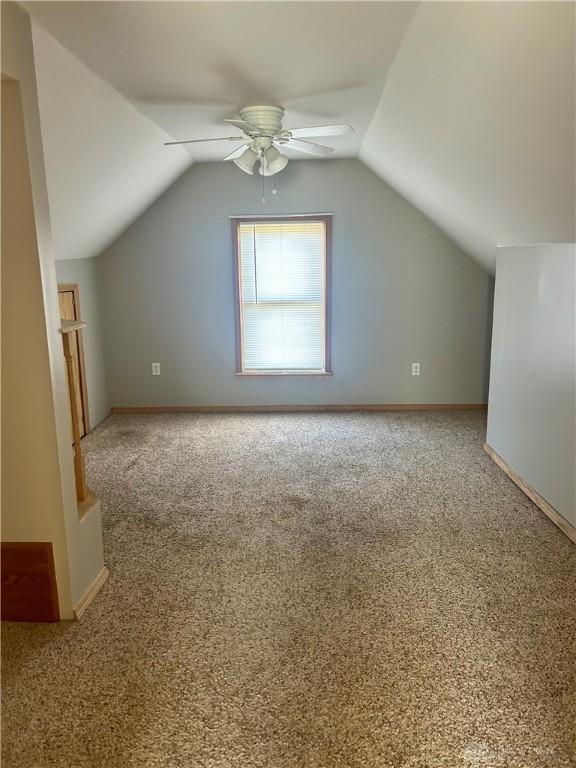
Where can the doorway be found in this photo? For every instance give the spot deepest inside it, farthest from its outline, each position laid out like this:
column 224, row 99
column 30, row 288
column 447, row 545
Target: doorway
column 69, row 301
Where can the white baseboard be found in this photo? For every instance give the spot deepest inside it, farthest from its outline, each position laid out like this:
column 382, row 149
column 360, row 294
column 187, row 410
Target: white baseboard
column 90, row 593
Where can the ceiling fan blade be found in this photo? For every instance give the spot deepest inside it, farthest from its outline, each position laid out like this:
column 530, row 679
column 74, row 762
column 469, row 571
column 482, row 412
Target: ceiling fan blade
column 307, row 146
column 236, row 153
column 242, row 124
column 321, row 130
column 197, row 141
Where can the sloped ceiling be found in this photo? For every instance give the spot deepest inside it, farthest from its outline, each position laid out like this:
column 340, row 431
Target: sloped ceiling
column 467, row 108
column 188, row 65
column 105, row 162
column 476, row 125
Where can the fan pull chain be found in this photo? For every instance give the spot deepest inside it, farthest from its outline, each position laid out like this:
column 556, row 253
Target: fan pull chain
column 263, row 189
column 274, row 189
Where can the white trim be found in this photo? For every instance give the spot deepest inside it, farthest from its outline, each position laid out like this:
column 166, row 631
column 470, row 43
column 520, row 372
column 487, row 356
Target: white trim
column 90, row 593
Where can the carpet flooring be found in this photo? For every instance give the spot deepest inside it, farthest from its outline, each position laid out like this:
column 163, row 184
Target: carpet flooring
column 305, row 591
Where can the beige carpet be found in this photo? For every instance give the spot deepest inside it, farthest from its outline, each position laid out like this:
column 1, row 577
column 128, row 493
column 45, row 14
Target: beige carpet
column 305, row 591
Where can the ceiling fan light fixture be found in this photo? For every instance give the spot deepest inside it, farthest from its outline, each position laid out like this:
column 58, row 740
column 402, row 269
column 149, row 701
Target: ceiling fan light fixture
column 272, row 162
column 264, row 134
column 247, row 161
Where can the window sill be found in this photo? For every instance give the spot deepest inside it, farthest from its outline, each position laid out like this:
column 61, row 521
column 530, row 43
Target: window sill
column 276, row 374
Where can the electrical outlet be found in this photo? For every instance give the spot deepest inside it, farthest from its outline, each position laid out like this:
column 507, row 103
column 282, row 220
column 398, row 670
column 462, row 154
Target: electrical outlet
column 155, row 369
column 415, row 369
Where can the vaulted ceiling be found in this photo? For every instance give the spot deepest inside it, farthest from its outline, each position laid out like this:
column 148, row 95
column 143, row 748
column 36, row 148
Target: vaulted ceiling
column 105, row 161
column 466, row 108
column 476, row 125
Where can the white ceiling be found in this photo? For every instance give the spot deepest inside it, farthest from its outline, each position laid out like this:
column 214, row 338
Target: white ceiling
column 476, row 125
column 187, row 65
column 467, row 108
column 105, row 162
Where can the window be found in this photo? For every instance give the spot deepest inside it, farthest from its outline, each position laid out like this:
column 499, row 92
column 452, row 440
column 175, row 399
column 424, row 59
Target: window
column 282, row 270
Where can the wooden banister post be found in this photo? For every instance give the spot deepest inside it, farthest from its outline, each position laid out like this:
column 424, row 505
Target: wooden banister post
column 79, row 473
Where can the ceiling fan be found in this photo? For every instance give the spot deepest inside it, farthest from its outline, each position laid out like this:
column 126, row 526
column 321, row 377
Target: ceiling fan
column 264, row 136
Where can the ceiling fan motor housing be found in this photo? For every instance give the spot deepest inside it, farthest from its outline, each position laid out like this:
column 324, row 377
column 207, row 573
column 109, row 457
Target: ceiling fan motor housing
column 267, row 119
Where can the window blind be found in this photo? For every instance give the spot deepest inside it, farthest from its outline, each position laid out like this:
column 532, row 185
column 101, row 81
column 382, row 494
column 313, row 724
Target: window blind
column 282, row 295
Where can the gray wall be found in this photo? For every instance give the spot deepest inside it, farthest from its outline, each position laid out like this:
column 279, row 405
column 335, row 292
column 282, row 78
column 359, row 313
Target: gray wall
column 84, row 272
column 401, row 292
column 531, row 416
